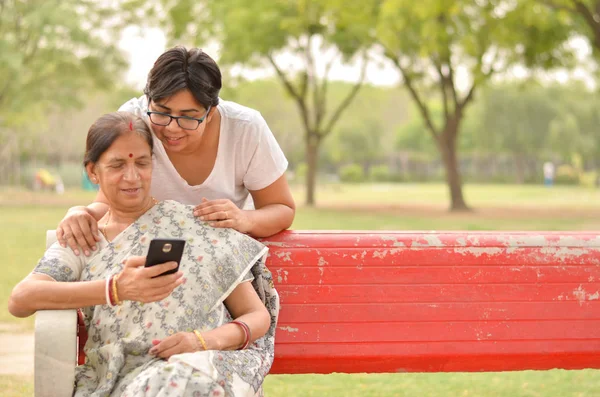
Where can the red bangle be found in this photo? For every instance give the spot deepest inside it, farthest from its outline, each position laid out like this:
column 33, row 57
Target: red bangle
column 247, row 333
column 110, row 291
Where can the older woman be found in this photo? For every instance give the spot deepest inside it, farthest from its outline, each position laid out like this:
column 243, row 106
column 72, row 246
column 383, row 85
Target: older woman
column 175, row 334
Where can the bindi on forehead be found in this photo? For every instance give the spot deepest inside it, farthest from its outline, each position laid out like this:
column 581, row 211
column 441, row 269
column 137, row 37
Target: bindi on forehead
column 130, row 155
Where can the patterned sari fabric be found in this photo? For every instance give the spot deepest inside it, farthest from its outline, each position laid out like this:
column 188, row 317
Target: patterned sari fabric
column 214, row 262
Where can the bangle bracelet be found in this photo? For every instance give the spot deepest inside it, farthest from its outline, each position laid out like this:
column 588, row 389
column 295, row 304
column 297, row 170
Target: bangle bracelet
column 115, row 295
column 201, row 339
column 247, row 333
column 107, row 291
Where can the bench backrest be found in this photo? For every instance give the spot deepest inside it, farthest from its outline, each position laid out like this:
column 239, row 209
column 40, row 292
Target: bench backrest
column 451, row 301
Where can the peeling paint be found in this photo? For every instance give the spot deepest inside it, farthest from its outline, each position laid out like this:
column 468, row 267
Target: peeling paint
column 322, row 261
column 430, row 241
column 288, row 328
column 284, row 255
column 478, row 251
column 380, row 254
column 564, row 253
column 281, row 278
column 461, row 241
column 582, row 296
column 434, row 241
column 282, row 244
column 394, row 240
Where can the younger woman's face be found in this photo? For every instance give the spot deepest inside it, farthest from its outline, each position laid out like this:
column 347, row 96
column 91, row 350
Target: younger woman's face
column 124, row 172
column 173, row 137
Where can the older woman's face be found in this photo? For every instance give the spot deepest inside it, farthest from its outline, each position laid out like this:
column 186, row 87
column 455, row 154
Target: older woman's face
column 124, row 172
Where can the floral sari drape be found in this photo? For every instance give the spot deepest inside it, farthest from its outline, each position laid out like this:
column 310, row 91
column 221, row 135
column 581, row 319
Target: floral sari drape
column 215, row 261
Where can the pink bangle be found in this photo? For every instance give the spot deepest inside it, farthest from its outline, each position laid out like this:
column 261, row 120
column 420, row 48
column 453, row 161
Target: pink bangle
column 247, row 333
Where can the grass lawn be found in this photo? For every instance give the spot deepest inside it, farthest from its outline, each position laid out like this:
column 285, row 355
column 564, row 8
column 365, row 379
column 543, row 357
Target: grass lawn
column 26, row 216
column 555, row 383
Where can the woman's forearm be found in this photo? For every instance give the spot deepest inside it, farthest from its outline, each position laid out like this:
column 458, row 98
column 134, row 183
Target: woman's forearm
column 32, row 295
column 270, row 219
column 231, row 336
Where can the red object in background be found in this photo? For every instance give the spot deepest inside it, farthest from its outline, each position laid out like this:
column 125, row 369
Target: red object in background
column 435, row 302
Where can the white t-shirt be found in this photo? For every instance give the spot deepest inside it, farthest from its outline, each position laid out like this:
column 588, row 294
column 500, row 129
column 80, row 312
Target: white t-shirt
column 248, row 158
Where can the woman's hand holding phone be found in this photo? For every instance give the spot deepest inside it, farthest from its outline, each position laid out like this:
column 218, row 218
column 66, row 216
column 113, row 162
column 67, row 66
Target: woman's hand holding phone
column 142, row 284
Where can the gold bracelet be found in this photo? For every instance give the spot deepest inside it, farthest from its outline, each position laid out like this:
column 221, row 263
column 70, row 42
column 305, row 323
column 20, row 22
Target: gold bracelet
column 201, row 339
column 115, row 294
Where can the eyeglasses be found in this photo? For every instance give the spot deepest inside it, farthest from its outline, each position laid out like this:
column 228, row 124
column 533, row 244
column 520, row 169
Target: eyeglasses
column 185, row 122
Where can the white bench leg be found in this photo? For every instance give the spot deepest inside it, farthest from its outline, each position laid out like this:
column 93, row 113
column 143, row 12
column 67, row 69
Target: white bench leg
column 55, row 352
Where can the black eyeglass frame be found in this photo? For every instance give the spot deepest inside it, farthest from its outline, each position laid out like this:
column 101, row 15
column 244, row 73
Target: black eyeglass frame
column 177, row 118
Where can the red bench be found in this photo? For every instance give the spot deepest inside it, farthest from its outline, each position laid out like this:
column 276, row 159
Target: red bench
column 431, row 302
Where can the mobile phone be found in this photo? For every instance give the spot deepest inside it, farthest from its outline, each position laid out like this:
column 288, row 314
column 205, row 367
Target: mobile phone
column 165, row 250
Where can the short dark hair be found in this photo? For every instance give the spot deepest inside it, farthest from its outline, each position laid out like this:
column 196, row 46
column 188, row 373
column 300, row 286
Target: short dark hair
column 105, row 131
column 178, row 69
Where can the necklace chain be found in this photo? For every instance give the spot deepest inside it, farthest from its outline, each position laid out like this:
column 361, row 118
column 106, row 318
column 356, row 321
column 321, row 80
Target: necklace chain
column 154, row 202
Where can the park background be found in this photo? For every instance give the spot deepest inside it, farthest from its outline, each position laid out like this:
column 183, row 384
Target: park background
column 393, row 114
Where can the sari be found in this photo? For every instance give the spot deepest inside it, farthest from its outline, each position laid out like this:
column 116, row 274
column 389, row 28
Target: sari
column 214, row 262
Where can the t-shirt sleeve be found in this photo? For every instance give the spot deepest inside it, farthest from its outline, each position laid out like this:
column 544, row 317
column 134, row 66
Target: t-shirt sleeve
column 137, row 106
column 60, row 263
column 268, row 163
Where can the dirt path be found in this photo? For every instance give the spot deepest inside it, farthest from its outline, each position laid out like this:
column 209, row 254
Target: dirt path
column 16, row 351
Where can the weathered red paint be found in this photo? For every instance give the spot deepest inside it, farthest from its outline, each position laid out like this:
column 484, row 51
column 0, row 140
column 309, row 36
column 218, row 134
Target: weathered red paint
column 431, row 302
column 426, row 301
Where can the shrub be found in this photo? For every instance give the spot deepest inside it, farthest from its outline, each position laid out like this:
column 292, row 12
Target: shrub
column 566, row 175
column 352, row 173
column 380, row 173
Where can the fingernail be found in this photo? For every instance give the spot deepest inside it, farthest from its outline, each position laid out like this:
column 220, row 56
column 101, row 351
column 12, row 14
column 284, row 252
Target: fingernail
column 152, row 351
column 196, row 213
column 212, row 224
column 63, row 245
column 94, row 248
column 201, row 218
column 76, row 252
column 86, row 252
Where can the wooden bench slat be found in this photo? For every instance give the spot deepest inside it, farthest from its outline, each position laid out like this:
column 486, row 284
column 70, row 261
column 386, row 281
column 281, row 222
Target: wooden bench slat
column 432, row 293
column 290, row 275
column 431, row 239
column 492, row 311
column 438, row 331
column 435, row 256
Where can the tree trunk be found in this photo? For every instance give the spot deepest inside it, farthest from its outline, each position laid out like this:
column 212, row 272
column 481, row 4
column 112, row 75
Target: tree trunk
column 312, row 157
column 447, row 146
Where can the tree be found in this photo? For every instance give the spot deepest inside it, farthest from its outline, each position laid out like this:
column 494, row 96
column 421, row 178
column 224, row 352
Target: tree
column 264, row 33
column 515, row 120
column 585, row 17
column 51, row 51
column 432, row 41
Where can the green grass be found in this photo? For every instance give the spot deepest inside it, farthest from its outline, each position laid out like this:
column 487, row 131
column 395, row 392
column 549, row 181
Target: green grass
column 26, row 216
column 479, row 196
column 555, row 383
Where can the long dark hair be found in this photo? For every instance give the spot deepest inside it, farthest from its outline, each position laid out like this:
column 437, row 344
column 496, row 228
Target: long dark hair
column 105, row 131
column 178, row 69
